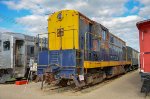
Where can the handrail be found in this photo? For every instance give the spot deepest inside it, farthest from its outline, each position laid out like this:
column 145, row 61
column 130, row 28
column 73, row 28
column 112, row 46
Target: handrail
column 40, row 42
column 85, row 49
column 60, row 43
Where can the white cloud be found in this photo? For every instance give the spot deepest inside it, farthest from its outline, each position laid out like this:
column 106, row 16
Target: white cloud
column 32, row 6
column 34, row 23
column 88, row 7
column 99, row 8
column 135, row 8
column 106, row 12
column 2, row 29
column 144, row 11
column 123, row 27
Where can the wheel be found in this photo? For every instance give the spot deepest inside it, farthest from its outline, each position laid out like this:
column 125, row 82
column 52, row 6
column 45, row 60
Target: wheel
column 4, row 78
column 63, row 82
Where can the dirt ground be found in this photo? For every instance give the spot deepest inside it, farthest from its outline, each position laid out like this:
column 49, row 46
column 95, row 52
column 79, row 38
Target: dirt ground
column 124, row 87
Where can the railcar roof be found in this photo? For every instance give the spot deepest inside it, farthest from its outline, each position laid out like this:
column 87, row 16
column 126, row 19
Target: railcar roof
column 117, row 37
column 143, row 22
column 12, row 33
column 133, row 49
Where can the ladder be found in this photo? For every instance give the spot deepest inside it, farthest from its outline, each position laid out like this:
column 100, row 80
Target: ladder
column 55, row 58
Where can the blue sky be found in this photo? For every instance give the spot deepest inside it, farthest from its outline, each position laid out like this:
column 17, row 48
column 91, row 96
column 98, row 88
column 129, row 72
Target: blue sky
column 8, row 16
column 130, row 5
column 30, row 16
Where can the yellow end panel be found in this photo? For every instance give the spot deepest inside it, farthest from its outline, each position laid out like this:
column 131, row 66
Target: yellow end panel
column 98, row 64
column 68, row 22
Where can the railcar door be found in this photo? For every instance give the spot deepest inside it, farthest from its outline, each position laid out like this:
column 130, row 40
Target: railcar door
column 6, row 52
column 19, row 57
column 145, row 39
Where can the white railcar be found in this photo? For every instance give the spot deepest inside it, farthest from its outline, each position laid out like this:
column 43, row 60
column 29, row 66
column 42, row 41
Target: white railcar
column 16, row 49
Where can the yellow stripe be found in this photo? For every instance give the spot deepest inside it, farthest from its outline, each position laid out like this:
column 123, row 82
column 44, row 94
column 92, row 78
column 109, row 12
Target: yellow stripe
column 96, row 64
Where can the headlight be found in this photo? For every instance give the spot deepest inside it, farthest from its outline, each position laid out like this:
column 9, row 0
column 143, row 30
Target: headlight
column 59, row 16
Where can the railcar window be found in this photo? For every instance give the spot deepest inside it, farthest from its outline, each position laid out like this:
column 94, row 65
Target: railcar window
column 6, row 45
column 0, row 45
column 32, row 50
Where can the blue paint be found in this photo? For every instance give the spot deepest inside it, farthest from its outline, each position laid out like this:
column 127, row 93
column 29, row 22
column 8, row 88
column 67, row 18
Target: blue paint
column 43, row 58
column 40, row 70
column 63, row 61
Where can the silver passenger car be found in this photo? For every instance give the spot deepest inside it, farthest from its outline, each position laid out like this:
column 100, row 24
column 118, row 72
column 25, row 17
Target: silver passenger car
column 15, row 52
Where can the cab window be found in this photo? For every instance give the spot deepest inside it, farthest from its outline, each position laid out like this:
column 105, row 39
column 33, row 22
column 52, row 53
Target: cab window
column 112, row 39
column 6, row 45
column 104, row 34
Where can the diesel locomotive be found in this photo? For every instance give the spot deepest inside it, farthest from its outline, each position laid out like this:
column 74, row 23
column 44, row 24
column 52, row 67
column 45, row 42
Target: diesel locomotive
column 83, row 51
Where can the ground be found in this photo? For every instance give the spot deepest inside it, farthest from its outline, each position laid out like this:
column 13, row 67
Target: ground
column 124, row 87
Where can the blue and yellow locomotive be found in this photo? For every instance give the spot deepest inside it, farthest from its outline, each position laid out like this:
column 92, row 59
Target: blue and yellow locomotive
column 81, row 50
